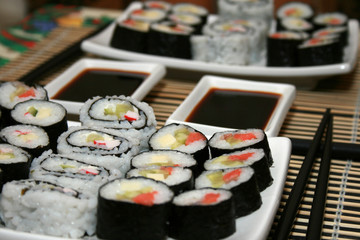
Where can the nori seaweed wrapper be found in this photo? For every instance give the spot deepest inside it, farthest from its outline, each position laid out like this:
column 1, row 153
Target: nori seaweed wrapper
column 262, row 173
column 329, row 53
column 282, row 52
column 129, row 39
column 125, row 220
column 203, row 221
column 169, row 44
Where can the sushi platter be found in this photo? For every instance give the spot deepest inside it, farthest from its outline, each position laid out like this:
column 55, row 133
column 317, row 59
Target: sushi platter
column 305, row 76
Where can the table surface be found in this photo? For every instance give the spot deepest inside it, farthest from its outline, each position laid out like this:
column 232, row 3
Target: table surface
column 340, row 93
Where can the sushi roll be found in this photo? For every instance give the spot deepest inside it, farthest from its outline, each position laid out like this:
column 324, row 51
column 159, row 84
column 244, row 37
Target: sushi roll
column 84, row 140
column 320, row 51
column 72, row 173
column 187, row 19
column 295, row 25
column 43, row 208
column 170, row 39
column 240, row 181
column 183, row 138
column 150, row 15
column 163, row 5
column 51, row 116
column 295, row 9
column 165, row 158
column 251, row 157
column 31, row 138
column 120, row 113
column 282, row 48
column 177, row 178
column 14, row 163
column 203, row 214
column 134, row 208
column 192, row 8
column 340, row 32
column 331, row 19
column 237, row 140
column 12, row 93
column 130, row 35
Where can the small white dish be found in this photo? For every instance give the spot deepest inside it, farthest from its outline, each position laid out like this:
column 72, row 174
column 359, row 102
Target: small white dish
column 287, row 92
column 302, row 77
column 155, row 73
column 255, row 226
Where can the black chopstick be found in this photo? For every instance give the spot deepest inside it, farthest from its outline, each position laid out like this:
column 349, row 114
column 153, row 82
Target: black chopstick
column 341, row 151
column 318, row 205
column 72, row 50
column 287, row 217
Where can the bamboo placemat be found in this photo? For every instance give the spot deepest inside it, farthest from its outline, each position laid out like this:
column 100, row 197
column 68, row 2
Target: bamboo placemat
column 341, row 93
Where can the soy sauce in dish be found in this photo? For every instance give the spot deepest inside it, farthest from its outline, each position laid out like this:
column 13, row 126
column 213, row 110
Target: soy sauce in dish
column 100, row 82
column 237, row 109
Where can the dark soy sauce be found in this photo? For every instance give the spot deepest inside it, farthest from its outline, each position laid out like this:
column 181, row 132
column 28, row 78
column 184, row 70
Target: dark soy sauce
column 100, row 82
column 235, row 108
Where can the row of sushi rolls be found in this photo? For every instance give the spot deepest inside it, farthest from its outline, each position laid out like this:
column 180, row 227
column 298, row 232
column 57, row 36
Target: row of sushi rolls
column 244, row 32
column 118, row 175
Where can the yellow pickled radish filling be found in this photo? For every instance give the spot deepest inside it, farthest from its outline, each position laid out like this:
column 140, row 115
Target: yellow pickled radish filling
column 161, row 160
column 156, row 174
column 136, row 192
column 175, row 140
column 40, row 113
column 102, row 141
column 119, row 110
column 26, row 136
column 6, row 154
column 228, row 161
column 22, row 91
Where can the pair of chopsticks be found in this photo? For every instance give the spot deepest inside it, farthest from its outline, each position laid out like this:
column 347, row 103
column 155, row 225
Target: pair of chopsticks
column 287, row 217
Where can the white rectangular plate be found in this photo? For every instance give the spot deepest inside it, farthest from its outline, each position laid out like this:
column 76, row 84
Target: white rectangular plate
column 306, row 77
column 156, row 73
column 287, row 92
column 255, row 226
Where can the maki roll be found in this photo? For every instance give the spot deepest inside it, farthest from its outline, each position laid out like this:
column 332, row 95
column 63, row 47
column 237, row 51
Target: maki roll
column 14, row 163
column 67, row 172
column 250, row 157
column 189, row 20
column 295, row 9
column 149, row 15
column 45, row 208
column 282, row 48
column 134, row 208
column 332, row 19
column 340, row 32
column 164, row 158
column 31, row 138
column 240, row 181
column 191, row 8
column 183, row 138
column 295, row 25
column 229, row 141
column 120, row 113
column 130, row 35
column 50, row 116
column 170, row 39
column 177, row 178
column 12, row 93
column 165, row 6
column 203, row 214
column 84, row 140
column 320, row 51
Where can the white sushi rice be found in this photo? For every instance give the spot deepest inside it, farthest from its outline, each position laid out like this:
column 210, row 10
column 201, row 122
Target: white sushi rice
column 211, row 164
column 323, row 19
column 120, row 186
column 27, row 136
column 203, row 181
column 195, row 197
column 303, row 10
column 7, row 89
column 296, row 24
column 48, row 112
column 163, row 158
column 178, row 175
column 150, row 15
column 217, row 140
column 45, row 209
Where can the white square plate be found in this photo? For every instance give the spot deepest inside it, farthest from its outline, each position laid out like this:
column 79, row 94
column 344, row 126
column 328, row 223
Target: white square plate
column 156, row 73
column 272, row 129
